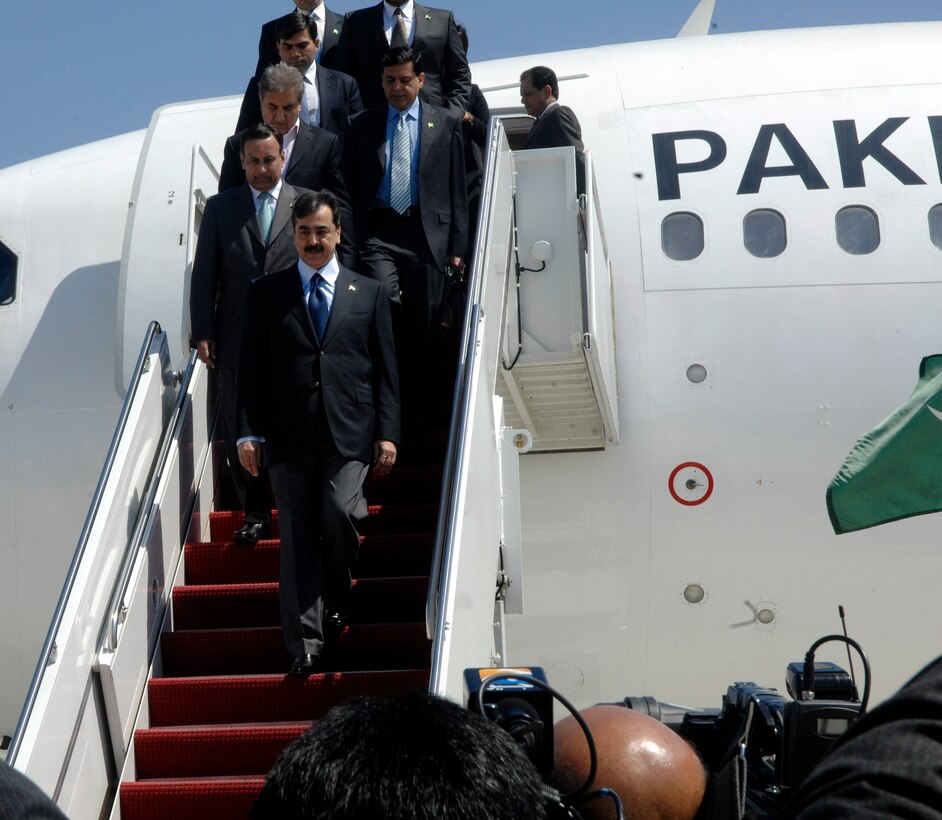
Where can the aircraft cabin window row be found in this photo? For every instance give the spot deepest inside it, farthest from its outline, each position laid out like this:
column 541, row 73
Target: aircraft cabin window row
column 7, row 275
column 856, row 227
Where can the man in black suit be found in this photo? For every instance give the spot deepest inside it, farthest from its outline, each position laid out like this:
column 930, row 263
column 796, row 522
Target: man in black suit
column 412, row 234
column 313, row 156
column 328, row 23
column 318, row 395
column 245, row 232
column 368, row 33
column 330, row 97
column 556, row 125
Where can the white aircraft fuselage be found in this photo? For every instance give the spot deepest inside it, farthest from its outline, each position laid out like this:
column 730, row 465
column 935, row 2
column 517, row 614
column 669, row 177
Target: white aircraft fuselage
column 698, row 550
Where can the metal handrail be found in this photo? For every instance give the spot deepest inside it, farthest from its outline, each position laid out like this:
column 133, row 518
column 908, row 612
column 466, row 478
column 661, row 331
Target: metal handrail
column 458, row 429
column 45, row 656
column 147, row 507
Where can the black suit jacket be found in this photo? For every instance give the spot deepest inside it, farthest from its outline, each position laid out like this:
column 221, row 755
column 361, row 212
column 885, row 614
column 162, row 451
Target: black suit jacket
column 286, row 377
column 229, row 255
column 268, row 45
column 363, row 45
column 316, row 163
column 557, row 128
column 339, row 100
column 443, row 200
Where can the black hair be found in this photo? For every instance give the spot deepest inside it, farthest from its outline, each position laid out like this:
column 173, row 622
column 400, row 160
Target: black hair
column 411, row 757
column 308, row 203
column 292, row 24
column 400, row 55
column 540, row 76
column 260, row 131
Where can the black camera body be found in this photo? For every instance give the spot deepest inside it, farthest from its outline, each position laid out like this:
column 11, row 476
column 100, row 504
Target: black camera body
column 782, row 737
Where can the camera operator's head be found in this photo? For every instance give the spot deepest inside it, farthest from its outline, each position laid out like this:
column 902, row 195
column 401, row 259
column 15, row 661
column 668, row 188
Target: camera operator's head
column 656, row 773
column 412, row 757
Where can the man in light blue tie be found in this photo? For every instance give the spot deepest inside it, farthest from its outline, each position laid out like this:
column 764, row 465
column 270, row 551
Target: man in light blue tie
column 318, row 395
column 405, row 172
column 245, row 232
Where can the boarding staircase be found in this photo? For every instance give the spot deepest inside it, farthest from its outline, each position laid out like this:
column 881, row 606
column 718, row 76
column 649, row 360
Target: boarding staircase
column 223, row 708
column 161, row 689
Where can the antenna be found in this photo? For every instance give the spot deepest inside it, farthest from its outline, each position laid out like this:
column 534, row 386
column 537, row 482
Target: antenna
column 698, row 23
column 850, row 659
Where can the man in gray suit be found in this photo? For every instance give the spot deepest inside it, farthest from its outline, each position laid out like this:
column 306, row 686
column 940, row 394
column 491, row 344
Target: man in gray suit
column 410, row 211
column 245, row 233
column 330, row 97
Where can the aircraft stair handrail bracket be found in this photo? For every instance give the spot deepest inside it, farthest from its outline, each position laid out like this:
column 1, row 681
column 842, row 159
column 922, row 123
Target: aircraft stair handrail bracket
column 55, row 720
column 558, row 375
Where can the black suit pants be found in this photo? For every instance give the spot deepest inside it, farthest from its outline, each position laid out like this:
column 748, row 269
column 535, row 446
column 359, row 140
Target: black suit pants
column 254, row 492
column 319, row 504
column 396, row 253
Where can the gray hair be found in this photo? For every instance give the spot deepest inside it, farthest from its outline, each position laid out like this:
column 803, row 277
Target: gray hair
column 281, row 77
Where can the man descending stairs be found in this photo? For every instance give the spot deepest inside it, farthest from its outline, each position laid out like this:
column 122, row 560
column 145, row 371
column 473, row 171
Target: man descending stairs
column 223, row 708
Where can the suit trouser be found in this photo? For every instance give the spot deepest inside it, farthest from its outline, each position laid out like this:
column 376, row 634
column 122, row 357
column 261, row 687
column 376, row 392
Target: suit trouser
column 254, row 494
column 396, row 253
column 319, row 504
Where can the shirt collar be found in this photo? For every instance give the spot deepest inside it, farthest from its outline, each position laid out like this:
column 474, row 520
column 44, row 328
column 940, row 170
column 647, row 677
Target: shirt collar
column 552, row 105
column 329, row 272
column 275, row 192
column 389, row 12
column 414, row 111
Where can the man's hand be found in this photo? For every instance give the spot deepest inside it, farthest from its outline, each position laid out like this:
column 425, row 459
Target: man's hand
column 249, row 452
column 206, row 350
column 384, row 456
column 456, row 263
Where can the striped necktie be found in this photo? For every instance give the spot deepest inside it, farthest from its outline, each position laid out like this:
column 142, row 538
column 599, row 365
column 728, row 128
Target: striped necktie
column 400, row 175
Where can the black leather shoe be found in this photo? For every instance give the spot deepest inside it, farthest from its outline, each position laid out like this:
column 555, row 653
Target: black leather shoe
column 251, row 534
column 305, row 665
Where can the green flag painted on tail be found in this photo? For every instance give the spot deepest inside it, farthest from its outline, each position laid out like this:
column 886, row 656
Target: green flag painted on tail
column 895, row 470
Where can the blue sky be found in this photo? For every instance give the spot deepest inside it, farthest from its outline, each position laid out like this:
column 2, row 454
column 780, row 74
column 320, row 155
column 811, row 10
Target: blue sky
column 102, row 67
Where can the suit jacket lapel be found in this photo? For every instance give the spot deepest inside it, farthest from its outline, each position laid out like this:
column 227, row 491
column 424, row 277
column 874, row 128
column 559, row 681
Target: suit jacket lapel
column 380, row 44
column 301, row 143
column 247, row 215
column 420, row 24
column 299, row 309
column 344, row 293
column 282, row 209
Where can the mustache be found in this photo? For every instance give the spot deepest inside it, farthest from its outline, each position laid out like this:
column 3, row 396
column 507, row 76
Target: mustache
column 314, row 248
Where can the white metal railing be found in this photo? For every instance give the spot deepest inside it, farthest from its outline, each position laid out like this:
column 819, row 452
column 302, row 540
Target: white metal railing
column 60, row 741
column 463, row 583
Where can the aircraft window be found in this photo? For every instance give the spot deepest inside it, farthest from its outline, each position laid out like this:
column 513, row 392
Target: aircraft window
column 858, row 230
column 682, row 236
column 7, row 275
column 763, row 233
column 935, row 225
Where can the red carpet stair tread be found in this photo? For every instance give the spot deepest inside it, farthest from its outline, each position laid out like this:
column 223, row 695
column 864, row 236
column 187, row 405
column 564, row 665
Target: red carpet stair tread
column 223, row 709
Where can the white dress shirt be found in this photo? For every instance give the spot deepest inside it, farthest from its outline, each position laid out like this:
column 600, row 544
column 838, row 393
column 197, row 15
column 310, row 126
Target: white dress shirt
column 408, row 16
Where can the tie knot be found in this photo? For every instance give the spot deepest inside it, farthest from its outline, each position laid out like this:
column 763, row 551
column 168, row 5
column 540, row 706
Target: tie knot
column 398, row 11
column 403, row 115
column 263, row 197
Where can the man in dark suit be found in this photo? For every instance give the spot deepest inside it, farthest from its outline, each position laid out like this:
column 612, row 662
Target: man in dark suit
column 313, row 156
column 368, row 33
column 556, row 125
column 410, row 209
column 330, row 97
column 245, row 232
column 318, row 395
column 328, row 23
